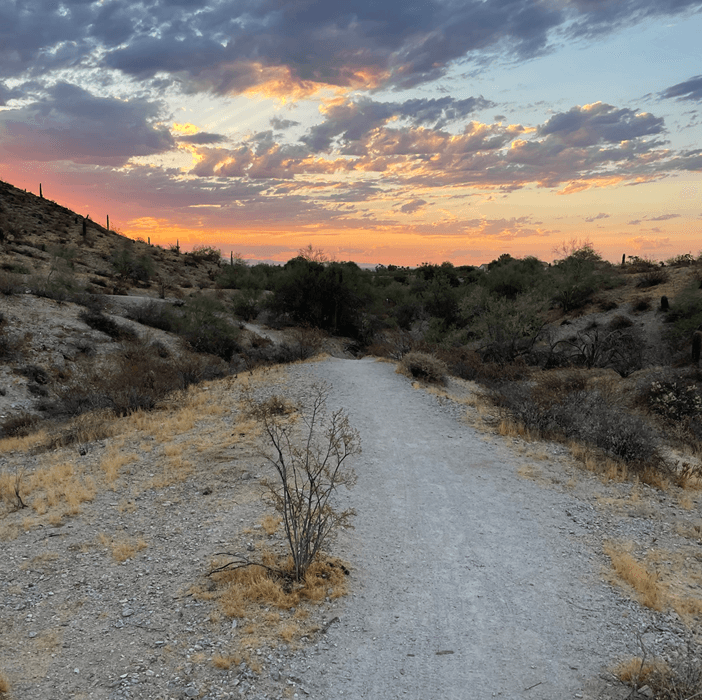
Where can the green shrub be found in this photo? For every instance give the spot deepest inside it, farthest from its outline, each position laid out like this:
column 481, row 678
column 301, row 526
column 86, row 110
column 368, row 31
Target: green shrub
column 156, row 315
column 247, row 305
column 654, row 277
column 685, row 316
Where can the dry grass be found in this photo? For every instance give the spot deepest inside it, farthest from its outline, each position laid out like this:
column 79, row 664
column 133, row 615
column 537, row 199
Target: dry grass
column 644, row 583
column 637, row 672
column 4, row 684
column 270, row 524
column 258, row 595
column 124, row 548
column 691, row 530
column 113, row 462
column 664, row 581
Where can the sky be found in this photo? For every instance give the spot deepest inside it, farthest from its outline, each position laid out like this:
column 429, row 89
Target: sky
column 380, row 131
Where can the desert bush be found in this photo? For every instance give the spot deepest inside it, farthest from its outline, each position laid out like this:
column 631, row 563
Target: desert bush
column 684, row 316
column 653, row 277
column 677, row 678
column 10, row 283
column 620, row 349
column 98, row 321
column 155, row 315
column 619, row 322
column 138, row 378
column 19, row 425
column 677, row 400
column 247, row 304
column 562, row 406
column 310, row 464
column 130, row 267
column 641, row 304
column 421, row 365
column 207, row 253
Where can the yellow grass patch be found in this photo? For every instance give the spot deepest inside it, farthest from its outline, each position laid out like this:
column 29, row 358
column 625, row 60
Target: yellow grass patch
column 4, row 684
column 637, row 576
column 124, row 548
column 113, row 462
column 635, row 671
column 270, row 524
column 250, row 592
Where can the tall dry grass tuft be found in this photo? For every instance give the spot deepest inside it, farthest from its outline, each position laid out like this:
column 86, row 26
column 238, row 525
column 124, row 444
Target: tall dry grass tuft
column 645, row 583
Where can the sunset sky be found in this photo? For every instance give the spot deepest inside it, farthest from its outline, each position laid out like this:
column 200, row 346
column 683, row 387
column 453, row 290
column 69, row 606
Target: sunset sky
column 382, row 131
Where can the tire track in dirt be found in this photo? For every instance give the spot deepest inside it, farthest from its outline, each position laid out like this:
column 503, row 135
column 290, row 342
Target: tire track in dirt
column 465, row 578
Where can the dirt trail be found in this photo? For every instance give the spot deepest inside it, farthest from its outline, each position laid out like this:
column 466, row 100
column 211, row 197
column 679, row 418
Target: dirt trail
column 474, row 582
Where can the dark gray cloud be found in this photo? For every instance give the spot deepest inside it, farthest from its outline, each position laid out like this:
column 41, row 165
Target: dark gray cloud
column 282, row 124
column 201, row 138
column 69, row 123
column 412, row 206
column 597, row 17
column 597, row 217
column 688, row 90
column 664, row 217
column 7, row 94
column 227, row 46
column 600, row 123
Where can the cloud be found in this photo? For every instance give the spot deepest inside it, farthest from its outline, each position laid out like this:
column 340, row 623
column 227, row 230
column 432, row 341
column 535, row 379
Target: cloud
column 351, row 121
column 601, row 215
column 68, row 123
column 645, row 243
column 281, row 124
column 412, row 206
column 600, row 123
column 688, row 90
column 7, row 94
column 663, row 217
column 593, row 146
column 231, row 46
column 201, row 138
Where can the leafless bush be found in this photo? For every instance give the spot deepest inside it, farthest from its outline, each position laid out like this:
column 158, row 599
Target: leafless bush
column 310, row 463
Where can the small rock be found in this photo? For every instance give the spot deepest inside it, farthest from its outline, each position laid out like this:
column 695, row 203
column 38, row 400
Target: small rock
column 127, row 612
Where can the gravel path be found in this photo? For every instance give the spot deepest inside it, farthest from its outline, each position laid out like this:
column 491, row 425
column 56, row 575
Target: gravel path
column 474, row 582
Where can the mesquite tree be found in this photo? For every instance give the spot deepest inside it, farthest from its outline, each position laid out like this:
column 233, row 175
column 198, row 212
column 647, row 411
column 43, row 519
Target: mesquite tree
column 310, row 461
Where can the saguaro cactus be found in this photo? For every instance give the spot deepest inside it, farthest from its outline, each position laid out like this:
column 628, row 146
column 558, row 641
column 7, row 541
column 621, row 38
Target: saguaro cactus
column 664, row 303
column 41, row 194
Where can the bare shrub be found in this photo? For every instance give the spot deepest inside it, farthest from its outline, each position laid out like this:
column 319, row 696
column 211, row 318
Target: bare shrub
column 421, row 365
column 310, row 464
